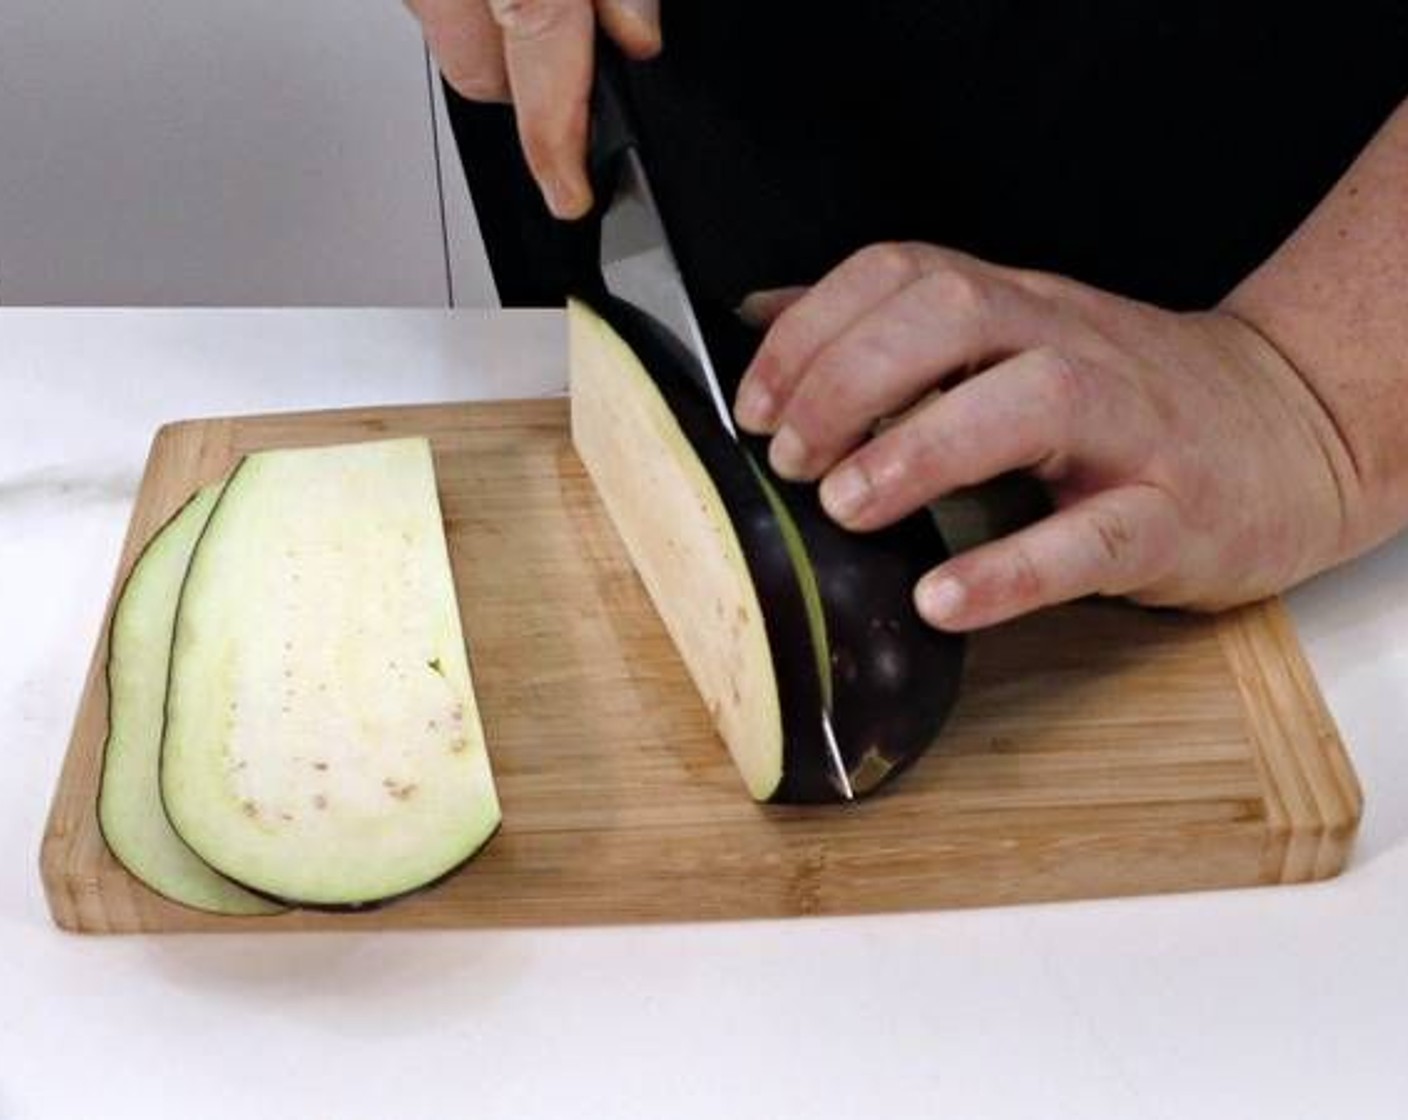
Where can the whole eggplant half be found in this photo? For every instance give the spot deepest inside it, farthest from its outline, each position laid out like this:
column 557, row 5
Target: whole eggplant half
column 835, row 611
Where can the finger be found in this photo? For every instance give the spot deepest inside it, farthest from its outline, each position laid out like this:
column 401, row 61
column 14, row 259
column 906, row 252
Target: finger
column 759, row 309
column 859, row 283
column 465, row 43
column 634, row 25
column 1111, row 543
column 945, row 323
column 1031, row 411
column 548, row 54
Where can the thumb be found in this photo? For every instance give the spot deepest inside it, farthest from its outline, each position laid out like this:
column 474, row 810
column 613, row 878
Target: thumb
column 1111, row 543
column 634, row 25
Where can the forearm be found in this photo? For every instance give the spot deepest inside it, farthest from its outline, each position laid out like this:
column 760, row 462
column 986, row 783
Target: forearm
column 1334, row 300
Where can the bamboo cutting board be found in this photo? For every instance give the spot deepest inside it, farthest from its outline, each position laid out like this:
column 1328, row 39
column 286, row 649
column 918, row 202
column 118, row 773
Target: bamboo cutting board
column 1096, row 750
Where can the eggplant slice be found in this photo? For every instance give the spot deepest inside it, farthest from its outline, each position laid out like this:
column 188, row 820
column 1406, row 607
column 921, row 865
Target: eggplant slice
column 130, row 814
column 322, row 744
column 776, row 611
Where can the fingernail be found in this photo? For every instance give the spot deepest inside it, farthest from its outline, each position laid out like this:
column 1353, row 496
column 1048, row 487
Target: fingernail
column 788, row 454
column 754, row 309
column 634, row 24
column 646, row 12
column 940, row 599
column 845, row 492
column 566, row 198
column 754, row 407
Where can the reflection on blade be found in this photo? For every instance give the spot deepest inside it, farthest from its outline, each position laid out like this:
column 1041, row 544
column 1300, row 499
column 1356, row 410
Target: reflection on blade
column 838, row 766
column 639, row 268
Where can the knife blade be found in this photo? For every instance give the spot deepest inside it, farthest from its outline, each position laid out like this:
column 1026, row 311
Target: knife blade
column 638, row 265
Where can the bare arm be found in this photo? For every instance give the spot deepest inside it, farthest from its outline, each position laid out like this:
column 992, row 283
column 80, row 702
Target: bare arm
column 1334, row 301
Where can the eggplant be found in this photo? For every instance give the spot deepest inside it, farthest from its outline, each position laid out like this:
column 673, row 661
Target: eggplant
column 322, row 744
column 130, row 814
column 829, row 622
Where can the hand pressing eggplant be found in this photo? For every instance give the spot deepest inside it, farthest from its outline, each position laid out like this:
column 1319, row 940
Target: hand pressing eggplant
column 1187, row 460
column 539, row 55
column 1199, row 460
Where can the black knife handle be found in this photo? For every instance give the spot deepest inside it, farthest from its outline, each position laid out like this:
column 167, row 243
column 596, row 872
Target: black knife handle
column 611, row 134
column 611, row 129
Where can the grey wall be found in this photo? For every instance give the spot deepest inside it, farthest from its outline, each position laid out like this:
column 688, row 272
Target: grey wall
column 159, row 152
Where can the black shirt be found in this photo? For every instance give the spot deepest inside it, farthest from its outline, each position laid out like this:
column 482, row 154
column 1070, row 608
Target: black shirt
column 1159, row 150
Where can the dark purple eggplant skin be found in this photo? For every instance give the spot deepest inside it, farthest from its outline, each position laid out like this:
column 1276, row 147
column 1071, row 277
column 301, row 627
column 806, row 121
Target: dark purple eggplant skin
column 805, row 776
column 894, row 679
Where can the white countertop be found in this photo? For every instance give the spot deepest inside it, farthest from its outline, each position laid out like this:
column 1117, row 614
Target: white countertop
column 1290, row 1002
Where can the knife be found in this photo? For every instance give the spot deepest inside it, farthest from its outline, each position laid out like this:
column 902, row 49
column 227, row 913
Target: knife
column 636, row 261
column 638, row 266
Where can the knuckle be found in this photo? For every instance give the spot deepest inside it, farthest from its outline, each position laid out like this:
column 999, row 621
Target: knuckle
column 1137, row 542
column 1061, row 383
column 782, row 352
column 892, row 259
column 884, row 466
column 959, row 292
column 1160, row 533
column 1114, row 537
column 530, row 19
column 1025, row 584
column 893, row 484
column 1043, row 285
column 915, row 450
column 864, row 356
column 909, row 469
column 838, row 394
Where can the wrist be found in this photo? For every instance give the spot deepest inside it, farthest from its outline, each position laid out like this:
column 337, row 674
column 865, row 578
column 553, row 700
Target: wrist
column 1330, row 300
column 1350, row 509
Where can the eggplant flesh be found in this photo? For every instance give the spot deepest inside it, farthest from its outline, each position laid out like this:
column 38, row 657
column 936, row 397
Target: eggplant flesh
column 837, row 613
column 703, row 540
column 322, row 744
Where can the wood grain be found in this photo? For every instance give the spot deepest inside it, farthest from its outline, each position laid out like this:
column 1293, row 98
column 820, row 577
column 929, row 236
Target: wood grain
column 1096, row 750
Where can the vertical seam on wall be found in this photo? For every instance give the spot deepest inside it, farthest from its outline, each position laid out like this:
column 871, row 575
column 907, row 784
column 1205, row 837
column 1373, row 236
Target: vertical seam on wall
column 430, row 72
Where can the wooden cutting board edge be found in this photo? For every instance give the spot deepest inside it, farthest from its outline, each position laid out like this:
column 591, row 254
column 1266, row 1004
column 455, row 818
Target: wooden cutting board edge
column 1313, row 798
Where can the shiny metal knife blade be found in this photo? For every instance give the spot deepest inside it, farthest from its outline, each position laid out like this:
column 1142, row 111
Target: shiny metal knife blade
column 639, row 267
column 838, row 765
